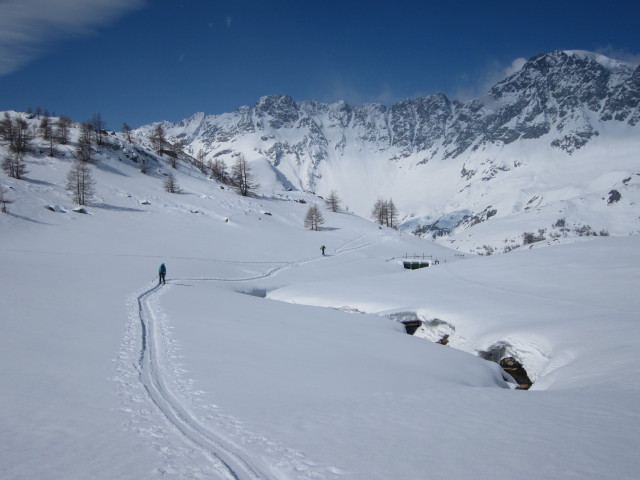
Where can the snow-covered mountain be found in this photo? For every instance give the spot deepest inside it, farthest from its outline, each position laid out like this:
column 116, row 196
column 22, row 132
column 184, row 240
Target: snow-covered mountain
column 263, row 359
column 550, row 142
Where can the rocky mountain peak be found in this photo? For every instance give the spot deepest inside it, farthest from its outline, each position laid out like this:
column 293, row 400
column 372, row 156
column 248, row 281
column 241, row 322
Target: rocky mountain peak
column 558, row 102
column 281, row 111
column 561, row 94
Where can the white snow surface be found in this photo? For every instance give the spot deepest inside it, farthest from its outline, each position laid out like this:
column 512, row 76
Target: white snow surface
column 260, row 358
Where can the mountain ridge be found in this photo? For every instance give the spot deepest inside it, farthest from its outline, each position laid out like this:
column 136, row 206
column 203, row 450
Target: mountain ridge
column 614, row 82
column 560, row 110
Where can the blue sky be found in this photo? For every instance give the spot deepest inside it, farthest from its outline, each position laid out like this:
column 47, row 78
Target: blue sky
column 139, row 61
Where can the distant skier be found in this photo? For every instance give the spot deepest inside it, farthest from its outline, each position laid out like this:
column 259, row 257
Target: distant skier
column 162, row 272
column 322, row 248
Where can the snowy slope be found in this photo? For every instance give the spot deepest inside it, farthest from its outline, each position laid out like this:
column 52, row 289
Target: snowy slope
column 262, row 359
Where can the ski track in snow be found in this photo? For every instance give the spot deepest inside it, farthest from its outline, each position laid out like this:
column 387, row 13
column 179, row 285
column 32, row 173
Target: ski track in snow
column 226, row 457
column 358, row 243
column 212, row 442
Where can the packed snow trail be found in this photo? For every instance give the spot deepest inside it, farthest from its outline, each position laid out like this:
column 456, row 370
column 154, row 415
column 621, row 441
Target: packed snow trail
column 221, row 452
column 358, row 243
column 228, row 459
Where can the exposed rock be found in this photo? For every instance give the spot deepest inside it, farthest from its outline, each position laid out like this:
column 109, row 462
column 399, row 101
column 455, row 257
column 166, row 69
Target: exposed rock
column 412, row 326
column 55, row 208
column 471, row 220
column 502, row 354
column 514, row 368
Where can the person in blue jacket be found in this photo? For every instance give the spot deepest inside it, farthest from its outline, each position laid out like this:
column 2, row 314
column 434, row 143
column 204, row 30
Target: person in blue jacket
column 163, row 273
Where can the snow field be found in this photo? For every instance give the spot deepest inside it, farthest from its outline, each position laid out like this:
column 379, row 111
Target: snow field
column 289, row 386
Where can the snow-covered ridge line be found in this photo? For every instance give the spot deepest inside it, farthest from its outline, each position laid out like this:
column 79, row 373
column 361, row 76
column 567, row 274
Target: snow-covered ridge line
column 551, row 130
column 605, row 61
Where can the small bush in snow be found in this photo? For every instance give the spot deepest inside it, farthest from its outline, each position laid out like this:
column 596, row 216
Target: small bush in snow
column 584, row 230
column 614, row 196
column 488, row 250
column 560, row 223
column 530, row 237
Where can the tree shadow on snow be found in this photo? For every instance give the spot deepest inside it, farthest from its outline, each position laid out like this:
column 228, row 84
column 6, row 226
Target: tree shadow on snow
column 107, row 168
column 106, row 206
column 38, row 182
column 27, row 219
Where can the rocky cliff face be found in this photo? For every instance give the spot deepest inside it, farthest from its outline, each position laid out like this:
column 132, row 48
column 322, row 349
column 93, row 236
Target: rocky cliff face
column 566, row 94
column 558, row 102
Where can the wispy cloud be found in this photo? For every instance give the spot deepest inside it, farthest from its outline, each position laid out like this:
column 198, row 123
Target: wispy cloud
column 343, row 90
column 228, row 21
column 475, row 86
column 28, row 26
column 620, row 54
column 465, row 88
column 515, row 66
